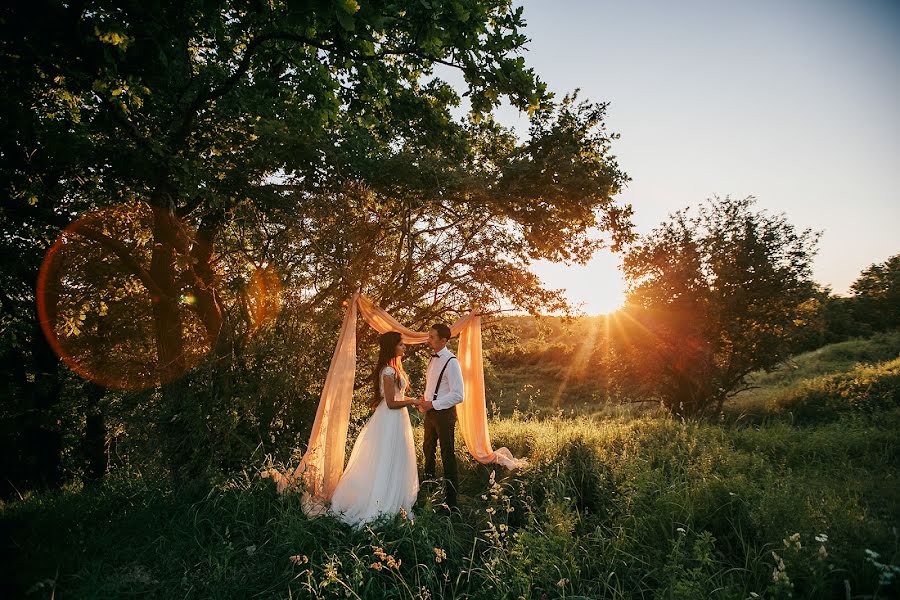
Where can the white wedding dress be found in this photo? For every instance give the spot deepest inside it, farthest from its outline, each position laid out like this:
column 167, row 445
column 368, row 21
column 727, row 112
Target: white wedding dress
column 381, row 476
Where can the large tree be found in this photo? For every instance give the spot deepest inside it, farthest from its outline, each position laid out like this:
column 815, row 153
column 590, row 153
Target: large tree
column 314, row 137
column 714, row 294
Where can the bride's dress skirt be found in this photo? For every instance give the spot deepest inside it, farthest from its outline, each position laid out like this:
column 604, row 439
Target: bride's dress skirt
column 381, row 476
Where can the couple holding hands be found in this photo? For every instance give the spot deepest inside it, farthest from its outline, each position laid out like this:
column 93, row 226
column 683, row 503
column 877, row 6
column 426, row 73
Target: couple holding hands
column 381, row 477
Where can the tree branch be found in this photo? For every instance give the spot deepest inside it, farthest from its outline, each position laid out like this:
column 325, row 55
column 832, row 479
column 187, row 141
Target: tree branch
column 124, row 253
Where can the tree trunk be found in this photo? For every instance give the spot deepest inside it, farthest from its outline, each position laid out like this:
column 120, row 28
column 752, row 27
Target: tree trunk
column 175, row 417
column 208, row 304
column 95, row 446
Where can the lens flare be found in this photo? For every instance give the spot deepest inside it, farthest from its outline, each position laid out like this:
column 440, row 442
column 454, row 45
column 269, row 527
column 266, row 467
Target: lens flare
column 263, row 296
column 108, row 299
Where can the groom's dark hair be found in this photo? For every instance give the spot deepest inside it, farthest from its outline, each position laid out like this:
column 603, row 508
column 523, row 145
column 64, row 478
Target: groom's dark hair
column 442, row 330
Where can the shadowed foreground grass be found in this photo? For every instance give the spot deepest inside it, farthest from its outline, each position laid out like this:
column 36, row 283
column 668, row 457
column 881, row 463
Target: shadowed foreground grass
column 643, row 508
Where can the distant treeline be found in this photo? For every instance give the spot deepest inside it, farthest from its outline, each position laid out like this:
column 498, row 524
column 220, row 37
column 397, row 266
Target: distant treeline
column 589, row 355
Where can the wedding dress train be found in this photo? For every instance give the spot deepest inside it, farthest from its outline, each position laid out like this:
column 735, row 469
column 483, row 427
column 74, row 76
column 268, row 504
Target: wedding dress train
column 381, row 476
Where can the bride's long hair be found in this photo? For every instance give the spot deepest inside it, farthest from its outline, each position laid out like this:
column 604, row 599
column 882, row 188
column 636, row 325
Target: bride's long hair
column 387, row 357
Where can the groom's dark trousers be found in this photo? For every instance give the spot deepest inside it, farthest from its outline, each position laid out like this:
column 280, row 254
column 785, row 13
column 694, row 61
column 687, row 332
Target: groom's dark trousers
column 440, row 426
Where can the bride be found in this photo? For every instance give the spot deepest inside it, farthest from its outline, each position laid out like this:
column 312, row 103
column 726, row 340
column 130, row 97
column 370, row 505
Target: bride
column 381, row 477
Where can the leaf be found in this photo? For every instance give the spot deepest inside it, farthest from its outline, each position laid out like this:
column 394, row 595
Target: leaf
column 346, row 20
column 345, row 11
column 461, row 13
column 349, row 7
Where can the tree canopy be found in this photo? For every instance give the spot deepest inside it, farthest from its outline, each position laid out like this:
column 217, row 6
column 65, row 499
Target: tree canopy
column 230, row 168
column 715, row 294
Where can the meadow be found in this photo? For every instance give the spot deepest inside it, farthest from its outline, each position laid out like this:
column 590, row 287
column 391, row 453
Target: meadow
column 763, row 504
column 194, row 193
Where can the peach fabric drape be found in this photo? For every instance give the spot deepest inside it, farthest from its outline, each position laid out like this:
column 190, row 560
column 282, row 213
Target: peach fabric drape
column 472, row 413
column 323, row 463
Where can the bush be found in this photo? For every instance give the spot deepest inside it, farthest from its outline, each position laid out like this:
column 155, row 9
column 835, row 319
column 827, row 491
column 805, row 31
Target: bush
column 864, row 390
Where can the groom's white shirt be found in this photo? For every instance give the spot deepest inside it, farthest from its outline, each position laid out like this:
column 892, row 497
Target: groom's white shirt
column 450, row 388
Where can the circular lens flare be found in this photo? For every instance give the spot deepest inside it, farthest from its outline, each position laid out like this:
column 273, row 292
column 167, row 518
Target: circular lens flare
column 102, row 299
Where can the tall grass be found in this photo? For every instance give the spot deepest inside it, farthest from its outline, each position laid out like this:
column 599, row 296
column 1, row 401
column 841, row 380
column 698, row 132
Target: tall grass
column 833, row 358
column 620, row 508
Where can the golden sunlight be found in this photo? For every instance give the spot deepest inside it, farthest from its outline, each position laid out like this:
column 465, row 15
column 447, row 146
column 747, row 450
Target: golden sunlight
column 597, row 288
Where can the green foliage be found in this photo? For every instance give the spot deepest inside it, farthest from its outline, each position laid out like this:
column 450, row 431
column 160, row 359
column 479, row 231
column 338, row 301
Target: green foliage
column 278, row 157
column 841, row 356
column 650, row 507
column 866, row 389
column 716, row 295
column 872, row 307
column 877, row 295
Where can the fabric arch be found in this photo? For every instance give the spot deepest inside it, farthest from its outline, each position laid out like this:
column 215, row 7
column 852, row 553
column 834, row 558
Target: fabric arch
column 322, row 464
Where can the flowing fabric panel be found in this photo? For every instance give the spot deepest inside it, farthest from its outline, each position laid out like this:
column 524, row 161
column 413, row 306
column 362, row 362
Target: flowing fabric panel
column 323, row 463
column 472, row 413
column 382, row 322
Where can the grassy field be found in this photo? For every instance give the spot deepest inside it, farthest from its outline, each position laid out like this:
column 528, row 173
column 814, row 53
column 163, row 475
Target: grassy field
column 613, row 507
column 806, row 371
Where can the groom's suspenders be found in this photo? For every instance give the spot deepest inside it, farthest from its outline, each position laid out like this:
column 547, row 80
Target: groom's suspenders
column 438, row 382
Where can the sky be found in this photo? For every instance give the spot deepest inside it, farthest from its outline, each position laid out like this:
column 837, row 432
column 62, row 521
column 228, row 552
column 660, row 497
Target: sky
column 796, row 102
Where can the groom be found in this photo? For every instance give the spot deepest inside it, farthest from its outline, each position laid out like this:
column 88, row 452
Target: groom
column 443, row 391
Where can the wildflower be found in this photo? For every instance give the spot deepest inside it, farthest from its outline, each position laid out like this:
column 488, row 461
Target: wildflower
column 403, row 513
column 780, row 576
column 822, row 538
column 490, row 510
column 794, row 539
column 377, row 566
column 503, row 527
column 439, row 554
column 779, row 573
column 299, row 560
column 822, row 553
column 384, row 559
column 562, row 582
column 680, row 530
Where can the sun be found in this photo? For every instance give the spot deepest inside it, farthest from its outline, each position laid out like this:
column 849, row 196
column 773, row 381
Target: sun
column 597, row 287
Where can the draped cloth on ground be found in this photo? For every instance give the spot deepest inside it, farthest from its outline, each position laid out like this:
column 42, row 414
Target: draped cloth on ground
column 322, row 465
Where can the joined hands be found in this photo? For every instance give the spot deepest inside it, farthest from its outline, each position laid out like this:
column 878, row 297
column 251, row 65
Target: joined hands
column 421, row 404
